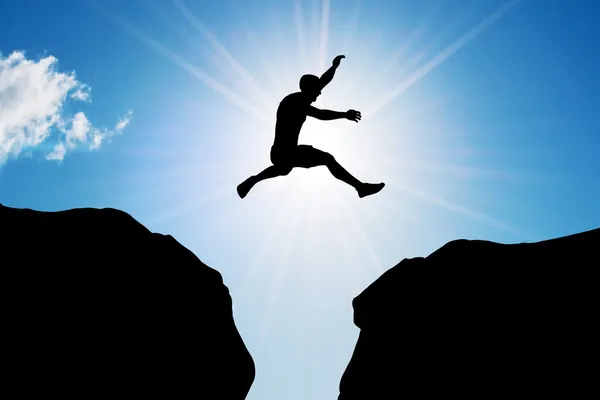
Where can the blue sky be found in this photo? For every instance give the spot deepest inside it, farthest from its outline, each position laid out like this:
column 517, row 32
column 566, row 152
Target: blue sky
column 480, row 116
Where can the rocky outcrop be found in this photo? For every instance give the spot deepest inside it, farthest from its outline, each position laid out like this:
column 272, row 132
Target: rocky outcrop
column 478, row 319
column 95, row 305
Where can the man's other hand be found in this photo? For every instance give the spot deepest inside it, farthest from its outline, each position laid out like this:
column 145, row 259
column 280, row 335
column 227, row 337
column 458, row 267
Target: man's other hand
column 353, row 115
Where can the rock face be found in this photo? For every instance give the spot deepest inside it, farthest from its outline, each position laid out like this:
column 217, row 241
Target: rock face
column 95, row 305
column 479, row 319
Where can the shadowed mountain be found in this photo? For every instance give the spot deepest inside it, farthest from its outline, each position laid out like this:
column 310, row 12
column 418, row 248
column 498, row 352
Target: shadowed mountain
column 97, row 305
column 478, row 319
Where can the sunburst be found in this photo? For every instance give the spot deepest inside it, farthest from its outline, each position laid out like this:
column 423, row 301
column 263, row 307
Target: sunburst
column 309, row 207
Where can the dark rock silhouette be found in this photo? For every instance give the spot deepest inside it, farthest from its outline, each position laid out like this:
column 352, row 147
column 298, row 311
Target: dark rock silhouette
column 95, row 305
column 478, row 319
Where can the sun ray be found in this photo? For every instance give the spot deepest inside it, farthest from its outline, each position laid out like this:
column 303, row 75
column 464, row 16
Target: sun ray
column 442, row 56
column 344, row 244
column 188, row 206
column 300, row 35
column 174, row 24
column 283, row 222
column 314, row 36
column 352, row 219
column 223, row 52
column 464, row 211
column 324, row 35
column 349, row 38
column 453, row 170
column 415, row 34
column 275, row 285
column 447, row 170
column 408, row 66
column 351, row 28
column 184, row 64
column 279, row 223
column 362, row 63
column 177, row 180
column 257, row 48
column 180, row 174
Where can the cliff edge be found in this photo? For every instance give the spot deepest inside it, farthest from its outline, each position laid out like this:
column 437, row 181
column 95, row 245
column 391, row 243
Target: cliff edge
column 478, row 319
column 96, row 304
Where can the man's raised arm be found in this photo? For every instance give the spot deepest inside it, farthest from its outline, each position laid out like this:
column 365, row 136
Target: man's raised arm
column 328, row 75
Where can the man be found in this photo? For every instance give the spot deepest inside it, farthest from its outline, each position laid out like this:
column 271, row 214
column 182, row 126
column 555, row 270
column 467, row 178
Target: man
column 287, row 154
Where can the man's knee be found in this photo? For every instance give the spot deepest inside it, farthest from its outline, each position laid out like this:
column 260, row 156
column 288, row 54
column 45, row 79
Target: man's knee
column 284, row 169
column 327, row 159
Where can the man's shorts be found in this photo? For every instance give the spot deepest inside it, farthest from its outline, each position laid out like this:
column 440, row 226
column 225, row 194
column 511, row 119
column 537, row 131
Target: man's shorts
column 303, row 156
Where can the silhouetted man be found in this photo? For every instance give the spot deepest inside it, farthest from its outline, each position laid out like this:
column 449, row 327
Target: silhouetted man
column 287, row 154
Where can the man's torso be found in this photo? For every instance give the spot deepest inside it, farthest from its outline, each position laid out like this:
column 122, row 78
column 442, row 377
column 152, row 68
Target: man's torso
column 291, row 114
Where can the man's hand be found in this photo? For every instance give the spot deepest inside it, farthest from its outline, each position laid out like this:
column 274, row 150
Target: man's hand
column 353, row 115
column 337, row 60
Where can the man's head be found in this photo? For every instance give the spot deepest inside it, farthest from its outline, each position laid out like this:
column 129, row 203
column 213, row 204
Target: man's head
column 310, row 85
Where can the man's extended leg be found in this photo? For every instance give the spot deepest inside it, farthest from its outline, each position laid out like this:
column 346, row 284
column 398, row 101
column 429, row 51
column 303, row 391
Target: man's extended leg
column 269, row 172
column 340, row 172
column 308, row 157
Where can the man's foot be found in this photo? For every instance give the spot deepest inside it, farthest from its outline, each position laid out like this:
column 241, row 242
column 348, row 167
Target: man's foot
column 244, row 187
column 367, row 189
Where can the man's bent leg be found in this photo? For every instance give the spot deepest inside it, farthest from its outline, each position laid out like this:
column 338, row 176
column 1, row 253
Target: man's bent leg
column 272, row 172
column 269, row 172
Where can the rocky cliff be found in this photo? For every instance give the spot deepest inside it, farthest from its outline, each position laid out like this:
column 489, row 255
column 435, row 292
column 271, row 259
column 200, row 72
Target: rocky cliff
column 478, row 319
column 97, row 305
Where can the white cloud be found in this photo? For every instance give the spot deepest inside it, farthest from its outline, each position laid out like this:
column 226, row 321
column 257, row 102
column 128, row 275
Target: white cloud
column 82, row 93
column 58, row 153
column 124, row 121
column 96, row 141
column 97, row 136
column 80, row 127
column 32, row 99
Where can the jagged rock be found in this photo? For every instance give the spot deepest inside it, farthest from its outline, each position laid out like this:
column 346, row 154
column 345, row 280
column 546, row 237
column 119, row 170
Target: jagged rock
column 478, row 319
column 95, row 305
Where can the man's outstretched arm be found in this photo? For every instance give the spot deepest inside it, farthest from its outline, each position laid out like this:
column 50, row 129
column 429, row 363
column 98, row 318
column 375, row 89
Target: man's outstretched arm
column 328, row 75
column 328, row 115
